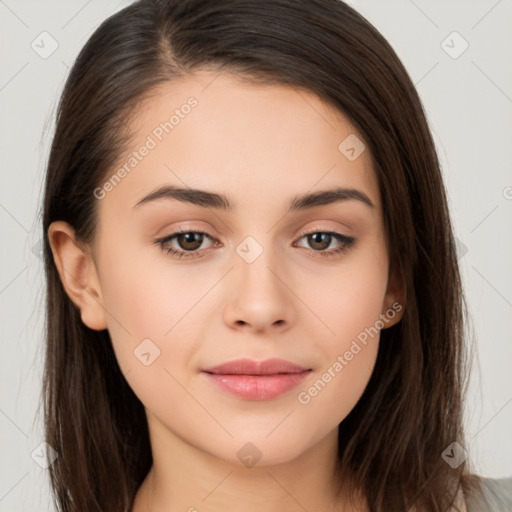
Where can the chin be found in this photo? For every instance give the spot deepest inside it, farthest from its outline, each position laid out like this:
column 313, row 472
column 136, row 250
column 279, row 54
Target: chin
column 259, row 449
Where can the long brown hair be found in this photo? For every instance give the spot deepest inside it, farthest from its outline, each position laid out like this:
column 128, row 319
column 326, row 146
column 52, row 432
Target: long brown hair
column 411, row 411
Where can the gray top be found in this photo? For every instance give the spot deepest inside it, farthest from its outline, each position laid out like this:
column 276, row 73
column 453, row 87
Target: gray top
column 497, row 496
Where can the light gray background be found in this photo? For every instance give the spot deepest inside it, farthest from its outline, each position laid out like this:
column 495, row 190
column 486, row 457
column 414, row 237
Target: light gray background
column 468, row 100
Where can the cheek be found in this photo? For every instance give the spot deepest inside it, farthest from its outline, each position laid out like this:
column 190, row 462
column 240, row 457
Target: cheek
column 144, row 302
column 349, row 298
column 147, row 326
column 349, row 352
column 351, row 303
column 335, row 390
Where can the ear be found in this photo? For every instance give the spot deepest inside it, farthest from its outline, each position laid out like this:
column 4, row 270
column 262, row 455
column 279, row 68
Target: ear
column 78, row 274
column 394, row 301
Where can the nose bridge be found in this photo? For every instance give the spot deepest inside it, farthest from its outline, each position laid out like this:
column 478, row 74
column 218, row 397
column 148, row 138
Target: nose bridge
column 257, row 265
column 260, row 297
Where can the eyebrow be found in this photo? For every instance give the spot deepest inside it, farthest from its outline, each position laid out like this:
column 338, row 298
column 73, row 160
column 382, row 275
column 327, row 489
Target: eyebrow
column 207, row 199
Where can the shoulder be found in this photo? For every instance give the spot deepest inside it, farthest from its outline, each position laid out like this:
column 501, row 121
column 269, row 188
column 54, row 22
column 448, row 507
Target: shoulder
column 489, row 494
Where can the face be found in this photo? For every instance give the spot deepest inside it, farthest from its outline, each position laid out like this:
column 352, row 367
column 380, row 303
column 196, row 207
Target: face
column 244, row 270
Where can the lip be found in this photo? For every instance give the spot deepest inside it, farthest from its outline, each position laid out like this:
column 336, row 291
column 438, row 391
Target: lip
column 257, row 380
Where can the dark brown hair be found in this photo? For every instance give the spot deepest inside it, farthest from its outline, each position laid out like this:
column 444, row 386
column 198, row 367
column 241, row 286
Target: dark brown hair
column 411, row 410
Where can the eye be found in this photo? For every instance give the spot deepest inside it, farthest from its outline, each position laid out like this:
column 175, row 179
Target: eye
column 185, row 244
column 319, row 241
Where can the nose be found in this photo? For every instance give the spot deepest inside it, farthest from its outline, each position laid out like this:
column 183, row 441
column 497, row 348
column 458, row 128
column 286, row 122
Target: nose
column 259, row 298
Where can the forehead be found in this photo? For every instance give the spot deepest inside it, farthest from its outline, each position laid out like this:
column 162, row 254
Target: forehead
column 259, row 143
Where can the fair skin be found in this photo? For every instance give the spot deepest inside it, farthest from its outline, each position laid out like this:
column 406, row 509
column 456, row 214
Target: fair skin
column 261, row 146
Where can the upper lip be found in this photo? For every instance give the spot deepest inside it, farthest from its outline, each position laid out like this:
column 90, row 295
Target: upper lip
column 251, row 367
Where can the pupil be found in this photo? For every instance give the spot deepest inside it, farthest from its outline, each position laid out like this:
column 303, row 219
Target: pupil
column 320, row 238
column 190, row 238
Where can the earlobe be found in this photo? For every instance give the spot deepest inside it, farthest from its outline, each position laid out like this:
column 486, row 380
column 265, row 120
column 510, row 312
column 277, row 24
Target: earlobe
column 394, row 300
column 78, row 274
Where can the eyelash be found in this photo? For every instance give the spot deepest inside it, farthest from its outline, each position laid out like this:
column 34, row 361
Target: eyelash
column 346, row 241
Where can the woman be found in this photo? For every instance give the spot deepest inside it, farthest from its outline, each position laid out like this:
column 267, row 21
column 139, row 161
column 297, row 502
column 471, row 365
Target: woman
column 253, row 294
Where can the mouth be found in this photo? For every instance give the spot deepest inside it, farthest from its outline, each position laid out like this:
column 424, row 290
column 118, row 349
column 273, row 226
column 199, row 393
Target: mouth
column 253, row 380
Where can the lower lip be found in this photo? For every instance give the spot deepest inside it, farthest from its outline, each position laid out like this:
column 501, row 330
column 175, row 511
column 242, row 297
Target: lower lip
column 258, row 387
